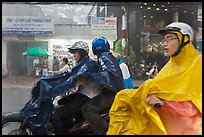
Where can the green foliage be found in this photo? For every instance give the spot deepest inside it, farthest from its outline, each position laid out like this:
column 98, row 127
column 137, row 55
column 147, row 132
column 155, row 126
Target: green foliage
column 118, row 49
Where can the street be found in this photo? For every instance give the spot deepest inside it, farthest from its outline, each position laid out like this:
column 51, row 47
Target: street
column 16, row 91
column 15, row 94
column 13, row 99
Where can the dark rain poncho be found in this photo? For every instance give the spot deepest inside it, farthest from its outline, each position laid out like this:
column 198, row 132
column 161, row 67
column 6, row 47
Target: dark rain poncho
column 109, row 73
column 38, row 111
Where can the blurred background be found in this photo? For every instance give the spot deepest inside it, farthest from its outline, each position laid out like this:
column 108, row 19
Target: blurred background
column 130, row 27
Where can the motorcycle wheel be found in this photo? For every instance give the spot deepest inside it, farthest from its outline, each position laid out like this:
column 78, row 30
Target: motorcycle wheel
column 14, row 128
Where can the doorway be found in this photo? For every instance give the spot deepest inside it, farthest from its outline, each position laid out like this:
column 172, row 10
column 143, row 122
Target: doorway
column 17, row 62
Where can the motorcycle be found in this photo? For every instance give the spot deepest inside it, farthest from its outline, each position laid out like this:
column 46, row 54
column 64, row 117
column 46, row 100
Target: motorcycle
column 139, row 71
column 153, row 71
column 14, row 123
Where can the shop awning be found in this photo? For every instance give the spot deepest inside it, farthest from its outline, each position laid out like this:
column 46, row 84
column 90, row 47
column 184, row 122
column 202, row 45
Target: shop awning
column 36, row 52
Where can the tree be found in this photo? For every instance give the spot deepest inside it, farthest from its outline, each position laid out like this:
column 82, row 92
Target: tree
column 118, row 49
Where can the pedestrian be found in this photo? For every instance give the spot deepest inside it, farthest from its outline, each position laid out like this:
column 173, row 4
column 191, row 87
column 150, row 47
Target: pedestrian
column 56, row 63
column 127, row 80
column 36, row 66
column 36, row 62
column 171, row 103
column 9, row 67
column 110, row 77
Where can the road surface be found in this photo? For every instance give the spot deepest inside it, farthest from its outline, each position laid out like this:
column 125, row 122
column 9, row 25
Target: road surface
column 16, row 92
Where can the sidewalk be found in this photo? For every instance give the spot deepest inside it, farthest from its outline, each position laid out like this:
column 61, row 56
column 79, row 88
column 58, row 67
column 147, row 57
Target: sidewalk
column 23, row 81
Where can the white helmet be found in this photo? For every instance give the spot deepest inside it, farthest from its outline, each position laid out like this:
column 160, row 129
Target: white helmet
column 184, row 28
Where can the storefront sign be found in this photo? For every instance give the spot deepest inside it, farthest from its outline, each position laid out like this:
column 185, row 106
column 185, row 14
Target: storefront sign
column 102, row 26
column 27, row 25
column 199, row 14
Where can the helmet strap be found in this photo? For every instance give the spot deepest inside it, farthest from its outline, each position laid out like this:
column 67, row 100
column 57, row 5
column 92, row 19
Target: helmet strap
column 181, row 46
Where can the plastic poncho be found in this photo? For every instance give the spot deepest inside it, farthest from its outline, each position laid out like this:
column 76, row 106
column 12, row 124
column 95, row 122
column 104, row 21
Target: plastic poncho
column 38, row 111
column 179, row 80
column 109, row 74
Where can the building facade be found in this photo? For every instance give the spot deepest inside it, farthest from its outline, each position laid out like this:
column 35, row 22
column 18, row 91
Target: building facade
column 143, row 19
column 64, row 34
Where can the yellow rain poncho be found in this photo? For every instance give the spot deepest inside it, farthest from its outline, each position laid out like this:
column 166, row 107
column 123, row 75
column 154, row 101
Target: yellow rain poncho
column 179, row 80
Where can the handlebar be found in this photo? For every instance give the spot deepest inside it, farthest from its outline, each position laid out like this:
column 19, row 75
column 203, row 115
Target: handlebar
column 157, row 105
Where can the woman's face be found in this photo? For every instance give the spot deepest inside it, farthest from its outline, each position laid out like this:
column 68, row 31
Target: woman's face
column 63, row 63
column 76, row 56
column 171, row 43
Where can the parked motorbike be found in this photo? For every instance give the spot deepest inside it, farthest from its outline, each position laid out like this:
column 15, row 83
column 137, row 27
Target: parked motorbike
column 14, row 123
column 139, row 71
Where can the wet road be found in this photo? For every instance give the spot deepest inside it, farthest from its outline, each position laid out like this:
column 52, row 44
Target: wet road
column 14, row 97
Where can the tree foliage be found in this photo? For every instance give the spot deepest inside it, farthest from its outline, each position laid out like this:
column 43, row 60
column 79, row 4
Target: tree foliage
column 118, row 49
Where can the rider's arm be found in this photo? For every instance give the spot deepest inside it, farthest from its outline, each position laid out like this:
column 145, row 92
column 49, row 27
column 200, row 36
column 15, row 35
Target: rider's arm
column 62, row 70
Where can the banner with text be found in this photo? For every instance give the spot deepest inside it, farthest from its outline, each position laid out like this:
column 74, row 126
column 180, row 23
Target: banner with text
column 104, row 26
column 27, row 25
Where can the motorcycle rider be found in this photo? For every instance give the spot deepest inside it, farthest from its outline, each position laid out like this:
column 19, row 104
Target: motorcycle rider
column 71, row 105
column 127, row 80
column 39, row 110
column 153, row 71
column 177, row 88
column 110, row 77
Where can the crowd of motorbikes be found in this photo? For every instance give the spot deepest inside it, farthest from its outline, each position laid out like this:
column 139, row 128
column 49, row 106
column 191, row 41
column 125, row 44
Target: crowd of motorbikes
column 143, row 71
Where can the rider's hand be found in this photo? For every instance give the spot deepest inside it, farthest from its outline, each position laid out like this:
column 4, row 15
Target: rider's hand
column 50, row 72
column 152, row 100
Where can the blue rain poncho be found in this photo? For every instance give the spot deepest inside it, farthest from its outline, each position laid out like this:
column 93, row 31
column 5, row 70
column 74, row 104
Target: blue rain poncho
column 38, row 111
column 109, row 74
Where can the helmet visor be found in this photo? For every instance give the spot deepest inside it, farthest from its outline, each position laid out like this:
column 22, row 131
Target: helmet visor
column 72, row 50
column 167, row 29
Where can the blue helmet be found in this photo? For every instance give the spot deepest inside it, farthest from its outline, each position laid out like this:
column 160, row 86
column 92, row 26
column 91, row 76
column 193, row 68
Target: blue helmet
column 100, row 44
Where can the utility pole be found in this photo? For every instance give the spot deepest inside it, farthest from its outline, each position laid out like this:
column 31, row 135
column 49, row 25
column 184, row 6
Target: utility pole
column 128, row 53
column 123, row 28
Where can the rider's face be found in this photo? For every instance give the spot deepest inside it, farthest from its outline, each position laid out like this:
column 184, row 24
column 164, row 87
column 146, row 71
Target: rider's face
column 171, row 43
column 76, row 56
